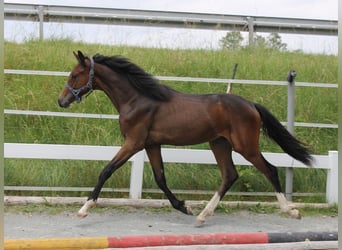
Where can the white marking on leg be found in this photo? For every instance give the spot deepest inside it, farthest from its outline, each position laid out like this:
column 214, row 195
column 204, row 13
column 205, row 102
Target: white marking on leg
column 83, row 212
column 188, row 208
column 285, row 208
column 208, row 210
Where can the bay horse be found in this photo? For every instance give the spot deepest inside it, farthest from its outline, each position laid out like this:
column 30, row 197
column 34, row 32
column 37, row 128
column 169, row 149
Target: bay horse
column 152, row 114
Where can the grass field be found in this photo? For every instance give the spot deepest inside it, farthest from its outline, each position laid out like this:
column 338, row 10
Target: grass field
column 41, row 92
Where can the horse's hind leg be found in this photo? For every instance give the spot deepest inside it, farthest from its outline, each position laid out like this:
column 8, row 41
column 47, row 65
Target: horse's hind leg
column 155, row 158
column 222, row 150
column 245, row 141
column 271, row 173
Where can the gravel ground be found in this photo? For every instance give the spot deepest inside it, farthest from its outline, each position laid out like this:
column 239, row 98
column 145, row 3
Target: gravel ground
column 114, row 222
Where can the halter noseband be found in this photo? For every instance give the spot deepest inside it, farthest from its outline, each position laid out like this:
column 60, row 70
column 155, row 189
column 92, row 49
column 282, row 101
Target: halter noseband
column 88, row 86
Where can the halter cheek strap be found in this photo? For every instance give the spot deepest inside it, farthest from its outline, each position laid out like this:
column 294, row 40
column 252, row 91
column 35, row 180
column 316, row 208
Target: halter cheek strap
column 88, row 86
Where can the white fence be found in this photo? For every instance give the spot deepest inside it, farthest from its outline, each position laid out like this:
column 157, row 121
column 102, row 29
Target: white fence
column 50, row 13
column 74, row 152
column 168, row 78
column 170, row 155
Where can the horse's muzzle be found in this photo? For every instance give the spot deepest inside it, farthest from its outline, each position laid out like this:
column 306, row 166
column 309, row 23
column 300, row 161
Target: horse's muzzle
column 63, row 103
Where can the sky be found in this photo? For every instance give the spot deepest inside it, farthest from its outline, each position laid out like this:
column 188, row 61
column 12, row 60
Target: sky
column 182, row 38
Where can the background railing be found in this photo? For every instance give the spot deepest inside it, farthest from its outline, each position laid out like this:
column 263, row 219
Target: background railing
column 168, row 78
column 112, row 16
column 82, row 152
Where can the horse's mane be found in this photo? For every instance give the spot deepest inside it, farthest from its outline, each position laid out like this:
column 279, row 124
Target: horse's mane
column 143, row 82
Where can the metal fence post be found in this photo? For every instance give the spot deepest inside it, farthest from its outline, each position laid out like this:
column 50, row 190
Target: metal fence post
column 41, row 22
column 137, row 172
column 250, row 31
column 332, row 178
column 290, row 127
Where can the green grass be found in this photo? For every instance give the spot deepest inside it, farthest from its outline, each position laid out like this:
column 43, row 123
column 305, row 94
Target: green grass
column 41, row 92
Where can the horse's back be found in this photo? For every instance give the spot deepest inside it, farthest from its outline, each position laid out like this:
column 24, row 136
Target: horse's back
column 232, row 110
column 191, row 119
column 226, row 106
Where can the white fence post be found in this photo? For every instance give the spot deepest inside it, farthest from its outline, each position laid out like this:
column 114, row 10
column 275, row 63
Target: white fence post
column 332, row 178
column 137, row 171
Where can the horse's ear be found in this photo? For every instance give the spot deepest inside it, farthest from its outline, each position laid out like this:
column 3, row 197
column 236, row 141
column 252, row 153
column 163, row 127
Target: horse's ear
column 76, row 56
column 80, row 57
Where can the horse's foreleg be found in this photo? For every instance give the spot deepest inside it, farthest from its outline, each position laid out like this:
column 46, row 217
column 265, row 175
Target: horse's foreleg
column 120, row 158
column 155, row 158
column 208, row 210
column 222, row 150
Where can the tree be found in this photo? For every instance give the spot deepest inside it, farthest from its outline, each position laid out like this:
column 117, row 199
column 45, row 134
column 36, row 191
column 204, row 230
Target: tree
column 232, row 40
column 274, row 42
column 259, row 41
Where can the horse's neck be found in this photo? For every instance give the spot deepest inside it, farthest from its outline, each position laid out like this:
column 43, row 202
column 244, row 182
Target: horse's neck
column 117, row 88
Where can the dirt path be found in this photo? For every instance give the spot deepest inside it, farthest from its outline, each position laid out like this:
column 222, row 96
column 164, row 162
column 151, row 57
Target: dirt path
column 114, row 222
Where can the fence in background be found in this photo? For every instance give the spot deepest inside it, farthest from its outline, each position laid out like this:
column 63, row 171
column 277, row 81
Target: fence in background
column 168, row 78
column 170, row 155
column 111, row 16
column 77, row 152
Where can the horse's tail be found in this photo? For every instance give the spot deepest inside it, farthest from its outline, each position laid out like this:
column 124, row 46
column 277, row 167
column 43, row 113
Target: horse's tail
column 276, row 131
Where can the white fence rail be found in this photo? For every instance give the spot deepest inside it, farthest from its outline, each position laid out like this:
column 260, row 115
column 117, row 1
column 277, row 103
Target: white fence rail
column 105, row 116
column 184, row 79
column 170, row 155
column 166, row 78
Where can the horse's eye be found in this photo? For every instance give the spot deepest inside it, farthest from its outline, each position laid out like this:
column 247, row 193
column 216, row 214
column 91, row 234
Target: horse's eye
column 73, row 77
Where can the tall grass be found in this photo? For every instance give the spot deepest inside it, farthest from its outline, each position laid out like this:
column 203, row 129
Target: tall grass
column 41, row 92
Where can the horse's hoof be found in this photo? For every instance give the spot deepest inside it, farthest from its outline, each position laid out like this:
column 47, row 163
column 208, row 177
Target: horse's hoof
column 199, row 222
column 83, row 211
column 294, row 213
column 184, row 208
column 81, row 215
column 189, row 210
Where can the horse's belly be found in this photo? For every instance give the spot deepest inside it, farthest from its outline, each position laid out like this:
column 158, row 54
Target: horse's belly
column 189, row 120
column 182, row 135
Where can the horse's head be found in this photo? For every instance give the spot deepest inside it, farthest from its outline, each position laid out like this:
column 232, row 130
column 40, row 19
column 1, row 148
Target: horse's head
column 80, row 81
